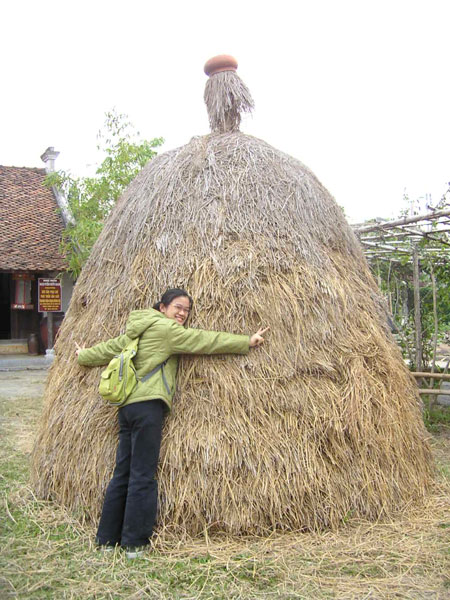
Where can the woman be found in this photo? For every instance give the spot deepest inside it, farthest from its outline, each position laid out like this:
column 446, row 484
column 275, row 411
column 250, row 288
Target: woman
column 129, row 508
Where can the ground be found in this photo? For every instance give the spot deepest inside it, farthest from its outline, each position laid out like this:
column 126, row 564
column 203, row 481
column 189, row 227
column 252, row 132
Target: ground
column 48, row 553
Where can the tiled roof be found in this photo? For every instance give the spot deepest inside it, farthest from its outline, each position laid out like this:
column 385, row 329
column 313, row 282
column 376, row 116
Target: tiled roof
column 30, row 225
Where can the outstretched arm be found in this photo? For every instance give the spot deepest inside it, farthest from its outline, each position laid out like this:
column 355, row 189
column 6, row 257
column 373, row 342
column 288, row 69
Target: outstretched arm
column 199, row 341
column 102, row 353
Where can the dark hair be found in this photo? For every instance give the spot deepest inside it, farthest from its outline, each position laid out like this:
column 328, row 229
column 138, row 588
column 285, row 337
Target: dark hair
column 170, row 295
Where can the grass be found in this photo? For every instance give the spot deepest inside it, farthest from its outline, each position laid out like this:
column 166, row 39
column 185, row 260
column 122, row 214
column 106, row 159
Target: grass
column 47, row 553
column 437, row 418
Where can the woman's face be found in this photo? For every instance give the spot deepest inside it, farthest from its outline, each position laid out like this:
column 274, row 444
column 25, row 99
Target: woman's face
column 178, row 309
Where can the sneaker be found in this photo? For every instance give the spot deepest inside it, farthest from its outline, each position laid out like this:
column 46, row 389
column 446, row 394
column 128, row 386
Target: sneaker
column 105, row 548
column 135, row 551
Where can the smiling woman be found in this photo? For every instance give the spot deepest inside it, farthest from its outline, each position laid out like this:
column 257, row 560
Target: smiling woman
column 129, row 508
column 175, row 304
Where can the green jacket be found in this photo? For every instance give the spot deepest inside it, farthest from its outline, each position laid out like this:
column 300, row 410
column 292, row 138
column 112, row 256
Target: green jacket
column 161, row 338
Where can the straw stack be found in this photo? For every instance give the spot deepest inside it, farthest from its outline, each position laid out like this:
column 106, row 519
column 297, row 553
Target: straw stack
column 321, row 423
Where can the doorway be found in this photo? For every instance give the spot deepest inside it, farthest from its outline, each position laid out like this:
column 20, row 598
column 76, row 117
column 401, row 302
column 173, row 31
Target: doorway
column 5, row 306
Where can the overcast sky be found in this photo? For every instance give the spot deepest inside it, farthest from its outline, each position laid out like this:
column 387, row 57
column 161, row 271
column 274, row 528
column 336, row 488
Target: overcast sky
column 358, row 90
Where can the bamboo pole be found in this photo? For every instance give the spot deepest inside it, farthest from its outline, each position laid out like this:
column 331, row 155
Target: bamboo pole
column 426, row 235
column 417, row 321
column 388, row 224
column 443, row 376
column 433, row 392
column 435, row 318
column 385, row 235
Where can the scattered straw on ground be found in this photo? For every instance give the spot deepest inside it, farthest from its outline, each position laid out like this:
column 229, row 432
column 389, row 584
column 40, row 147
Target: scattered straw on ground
column 47, row 553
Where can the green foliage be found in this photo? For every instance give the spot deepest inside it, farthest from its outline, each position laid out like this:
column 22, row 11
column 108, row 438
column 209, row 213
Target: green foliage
column 90, row 199
column 397, row 286
column 436, row 417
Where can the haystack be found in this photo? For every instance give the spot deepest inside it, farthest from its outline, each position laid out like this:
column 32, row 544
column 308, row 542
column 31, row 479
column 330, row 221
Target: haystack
column 320, row 424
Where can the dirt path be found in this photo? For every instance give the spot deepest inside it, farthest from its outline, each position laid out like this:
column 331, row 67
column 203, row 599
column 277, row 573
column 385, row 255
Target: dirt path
column 22, row 384
column 21, row 394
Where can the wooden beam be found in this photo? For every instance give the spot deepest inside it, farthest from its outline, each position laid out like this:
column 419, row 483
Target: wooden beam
column 444, row 376
column 384, row 247
column 426, row 234
column 390, row 224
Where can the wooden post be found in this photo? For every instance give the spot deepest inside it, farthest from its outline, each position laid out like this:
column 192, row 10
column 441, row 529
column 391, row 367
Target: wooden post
column 435, row 318
column 417, row 321
column 49, row 330
column 388, row 285
column 35, row 314
column 405, row 307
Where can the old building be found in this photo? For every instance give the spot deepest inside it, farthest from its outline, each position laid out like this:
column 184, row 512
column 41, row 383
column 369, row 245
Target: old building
column 32, row 219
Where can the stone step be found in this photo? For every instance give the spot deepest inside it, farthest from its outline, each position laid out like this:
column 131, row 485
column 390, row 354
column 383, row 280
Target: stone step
column 14, row 346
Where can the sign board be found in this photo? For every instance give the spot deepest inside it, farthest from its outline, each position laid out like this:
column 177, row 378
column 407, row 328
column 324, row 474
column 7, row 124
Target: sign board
column 49, row 295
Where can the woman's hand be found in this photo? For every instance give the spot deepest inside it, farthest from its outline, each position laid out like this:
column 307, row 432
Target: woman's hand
column 257, row 338
column 79, row 348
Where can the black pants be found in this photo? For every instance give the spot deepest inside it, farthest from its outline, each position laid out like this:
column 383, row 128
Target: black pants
column 129, row 508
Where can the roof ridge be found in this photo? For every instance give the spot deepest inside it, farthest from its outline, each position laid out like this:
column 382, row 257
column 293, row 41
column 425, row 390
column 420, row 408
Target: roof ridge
column 36, row 169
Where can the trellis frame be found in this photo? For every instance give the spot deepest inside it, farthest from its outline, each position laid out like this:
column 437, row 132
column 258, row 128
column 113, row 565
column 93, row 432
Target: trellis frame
column 398, row 241
column 392, row 240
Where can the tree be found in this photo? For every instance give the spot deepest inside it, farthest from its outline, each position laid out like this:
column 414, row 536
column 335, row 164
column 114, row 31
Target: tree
column 90, row 199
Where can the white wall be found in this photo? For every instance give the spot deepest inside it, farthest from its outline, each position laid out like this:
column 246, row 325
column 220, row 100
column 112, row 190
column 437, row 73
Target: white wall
column 66, row 290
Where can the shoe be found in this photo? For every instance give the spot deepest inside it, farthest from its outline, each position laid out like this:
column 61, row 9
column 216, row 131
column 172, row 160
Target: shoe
column 105, row 548
column 135, row 551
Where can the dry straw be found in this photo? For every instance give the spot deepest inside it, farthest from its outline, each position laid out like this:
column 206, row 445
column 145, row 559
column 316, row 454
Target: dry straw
column 226, row 97
column 320, row 424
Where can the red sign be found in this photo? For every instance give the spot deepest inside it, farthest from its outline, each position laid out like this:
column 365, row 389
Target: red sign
column 22, row 291
column 49, row 295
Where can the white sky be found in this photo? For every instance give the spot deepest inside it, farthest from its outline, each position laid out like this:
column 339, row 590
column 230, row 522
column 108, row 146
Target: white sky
column 358, row 90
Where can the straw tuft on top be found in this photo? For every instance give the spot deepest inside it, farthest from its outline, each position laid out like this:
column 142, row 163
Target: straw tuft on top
column 226, row 95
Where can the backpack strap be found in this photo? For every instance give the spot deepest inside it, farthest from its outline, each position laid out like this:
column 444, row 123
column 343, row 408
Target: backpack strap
column 155, row 370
